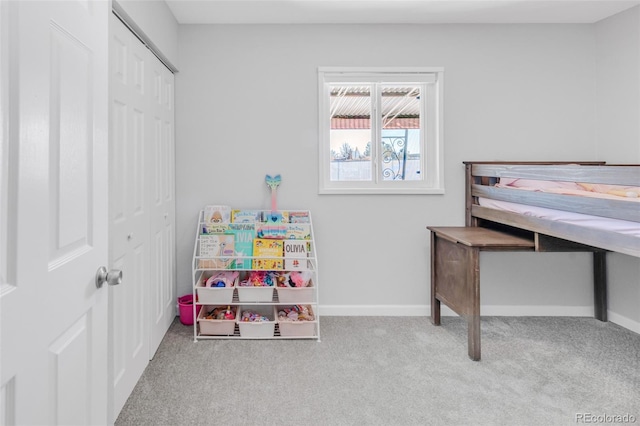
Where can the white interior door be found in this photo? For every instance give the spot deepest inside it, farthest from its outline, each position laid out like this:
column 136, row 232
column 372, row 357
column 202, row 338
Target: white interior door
column 141, row 213
column 162, row 294
column 128, row 213
column 53, row 232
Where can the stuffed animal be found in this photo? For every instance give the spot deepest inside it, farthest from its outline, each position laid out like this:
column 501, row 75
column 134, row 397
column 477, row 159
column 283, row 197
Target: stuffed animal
column 300, row 278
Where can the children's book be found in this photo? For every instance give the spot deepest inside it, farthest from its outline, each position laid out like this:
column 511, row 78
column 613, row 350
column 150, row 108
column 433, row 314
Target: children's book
column 273, row 225
column 244, row 234
column 246, row 216
column 299, row 217
column 275, row 231
column 295, row 253
column 215, row 218
column 215, row 228
column 267, row 216
column 216, row 251
column 298, row 231
column 272, row 250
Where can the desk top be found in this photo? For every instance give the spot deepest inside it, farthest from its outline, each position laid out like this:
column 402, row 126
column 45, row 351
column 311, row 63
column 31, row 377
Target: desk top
column 473, row 236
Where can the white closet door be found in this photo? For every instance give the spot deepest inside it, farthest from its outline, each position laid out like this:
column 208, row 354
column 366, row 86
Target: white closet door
column 128, row 213
column 162, row 294
column 53, row 237
column 141, row 213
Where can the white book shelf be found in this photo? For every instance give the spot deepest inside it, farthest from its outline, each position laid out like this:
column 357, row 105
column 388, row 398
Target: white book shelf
column 264, row 300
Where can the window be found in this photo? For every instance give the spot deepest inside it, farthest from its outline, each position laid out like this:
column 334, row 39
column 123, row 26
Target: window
column 401, row 110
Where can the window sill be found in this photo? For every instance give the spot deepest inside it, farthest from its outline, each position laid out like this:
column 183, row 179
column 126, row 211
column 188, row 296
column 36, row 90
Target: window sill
column 381, row 191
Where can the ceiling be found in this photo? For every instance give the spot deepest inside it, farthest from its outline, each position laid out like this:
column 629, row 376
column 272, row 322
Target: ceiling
column 394, row 11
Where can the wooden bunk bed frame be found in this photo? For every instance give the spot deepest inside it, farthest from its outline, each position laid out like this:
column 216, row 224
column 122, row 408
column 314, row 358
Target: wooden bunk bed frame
column 455, row 251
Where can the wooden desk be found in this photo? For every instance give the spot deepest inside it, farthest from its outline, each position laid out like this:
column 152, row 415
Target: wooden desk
column 455, row 272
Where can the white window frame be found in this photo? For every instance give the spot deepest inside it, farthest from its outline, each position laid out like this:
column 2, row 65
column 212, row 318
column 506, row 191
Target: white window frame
column 432, row 149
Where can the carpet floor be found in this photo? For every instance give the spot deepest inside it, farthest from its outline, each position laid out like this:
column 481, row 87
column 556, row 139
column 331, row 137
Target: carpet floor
column 397, row 371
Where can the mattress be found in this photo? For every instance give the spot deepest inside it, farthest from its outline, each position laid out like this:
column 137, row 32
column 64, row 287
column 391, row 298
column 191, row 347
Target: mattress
column 588, row 221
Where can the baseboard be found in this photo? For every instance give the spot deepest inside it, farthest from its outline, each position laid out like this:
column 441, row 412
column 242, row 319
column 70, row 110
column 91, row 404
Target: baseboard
column 625, row 322
column 425, row 310
column 536, row 311
column 375, row 310
column 491, row 310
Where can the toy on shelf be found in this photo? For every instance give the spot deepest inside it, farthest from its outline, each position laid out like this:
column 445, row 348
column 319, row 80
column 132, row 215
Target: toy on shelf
column 260, row 279
column 300, row 278
column 251, row 316
column 228, row 314
column 222, row 279
column 296, row 313
column 273, row 183
column 274, row 226
column 220, row 313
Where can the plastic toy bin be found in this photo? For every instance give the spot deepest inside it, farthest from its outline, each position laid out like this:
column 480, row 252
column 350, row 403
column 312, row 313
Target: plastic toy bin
column 214, row 295
column 257, row 329
column 255, row 293
column 222, row 327
column 185, row 306
column 295, row 328
column 296, row 294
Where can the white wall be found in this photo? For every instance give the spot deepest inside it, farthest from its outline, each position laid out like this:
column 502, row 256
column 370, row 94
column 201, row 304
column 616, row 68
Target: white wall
column 618, row 87
column 246, row 105
column 155, row 20
column 618, row 118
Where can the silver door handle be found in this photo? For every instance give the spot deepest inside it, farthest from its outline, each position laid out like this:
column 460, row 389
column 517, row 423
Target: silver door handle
column 113, row 277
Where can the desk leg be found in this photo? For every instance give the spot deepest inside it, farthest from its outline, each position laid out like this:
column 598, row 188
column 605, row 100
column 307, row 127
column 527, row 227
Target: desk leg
column 435, row 303
column 455, row 281
column 473, row 315
column 474, row 337
column 600, row 285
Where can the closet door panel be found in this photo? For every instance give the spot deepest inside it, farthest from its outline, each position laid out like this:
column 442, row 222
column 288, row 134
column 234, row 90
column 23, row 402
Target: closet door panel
column 162, row 294
column 129, row 247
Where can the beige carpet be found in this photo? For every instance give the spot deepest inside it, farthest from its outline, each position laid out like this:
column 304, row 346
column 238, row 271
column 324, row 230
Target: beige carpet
column 396, row 371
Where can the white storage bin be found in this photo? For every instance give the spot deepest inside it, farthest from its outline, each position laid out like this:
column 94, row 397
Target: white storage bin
column 290, row 328
column 296, row 294
column 255, row 293
column 257, row 329
column 214, row 295
column 216, row 327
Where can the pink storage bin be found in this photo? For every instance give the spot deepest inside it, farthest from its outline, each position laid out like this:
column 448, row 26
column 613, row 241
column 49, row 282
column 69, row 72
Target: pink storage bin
column 185, row 306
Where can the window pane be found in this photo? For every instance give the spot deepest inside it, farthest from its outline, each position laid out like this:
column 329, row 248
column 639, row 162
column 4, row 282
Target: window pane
column 350, row 133
column 401, row 154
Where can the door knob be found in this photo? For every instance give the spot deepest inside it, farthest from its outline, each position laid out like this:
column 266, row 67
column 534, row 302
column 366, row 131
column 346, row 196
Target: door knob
column 113, row 277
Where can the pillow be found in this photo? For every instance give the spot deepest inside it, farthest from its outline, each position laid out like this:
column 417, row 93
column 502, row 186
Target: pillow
column 619, row 190
column 538, row 184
